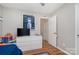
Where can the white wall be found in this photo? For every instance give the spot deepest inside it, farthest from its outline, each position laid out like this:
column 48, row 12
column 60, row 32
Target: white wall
column 66, row 28
column 13, row 19
column 0, row 11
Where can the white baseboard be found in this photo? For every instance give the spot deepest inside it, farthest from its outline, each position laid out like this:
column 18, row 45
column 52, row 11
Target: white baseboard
column 64, row 51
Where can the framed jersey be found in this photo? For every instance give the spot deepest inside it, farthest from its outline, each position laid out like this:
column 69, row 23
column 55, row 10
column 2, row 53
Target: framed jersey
column 28, row 22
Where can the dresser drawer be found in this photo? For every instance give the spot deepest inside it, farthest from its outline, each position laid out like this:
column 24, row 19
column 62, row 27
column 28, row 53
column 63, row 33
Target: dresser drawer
column 31, row 46
column 30, row 42
column 29, row 39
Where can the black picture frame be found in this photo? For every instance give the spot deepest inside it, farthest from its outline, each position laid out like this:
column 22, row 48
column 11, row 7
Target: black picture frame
column 25, row 21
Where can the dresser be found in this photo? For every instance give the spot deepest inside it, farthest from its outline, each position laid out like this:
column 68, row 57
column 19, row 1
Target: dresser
column 26, row 43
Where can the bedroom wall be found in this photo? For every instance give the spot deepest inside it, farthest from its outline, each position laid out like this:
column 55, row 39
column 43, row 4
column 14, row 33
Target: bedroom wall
column 0, row 11
column 66, row 28
column 13, row 19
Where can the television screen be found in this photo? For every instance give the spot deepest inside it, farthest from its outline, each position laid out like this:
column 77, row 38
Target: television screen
column 23, row 32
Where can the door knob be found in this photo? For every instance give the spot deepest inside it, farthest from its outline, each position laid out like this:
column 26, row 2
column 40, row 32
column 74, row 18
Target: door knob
column 77, row 35
column 54, row 33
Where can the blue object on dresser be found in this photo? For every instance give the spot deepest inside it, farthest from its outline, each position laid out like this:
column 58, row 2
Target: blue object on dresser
column 11, row 49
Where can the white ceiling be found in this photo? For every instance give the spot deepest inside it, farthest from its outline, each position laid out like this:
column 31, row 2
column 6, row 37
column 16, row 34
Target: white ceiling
column 34, row 7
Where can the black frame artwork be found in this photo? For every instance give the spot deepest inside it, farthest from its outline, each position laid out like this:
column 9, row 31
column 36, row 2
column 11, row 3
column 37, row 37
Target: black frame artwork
column 28, row 20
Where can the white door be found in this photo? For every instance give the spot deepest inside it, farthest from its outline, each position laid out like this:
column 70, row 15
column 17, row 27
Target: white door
column 0, row 27
column 77, row 30
column 77, row 35
column 52, row 31
column 44, row 29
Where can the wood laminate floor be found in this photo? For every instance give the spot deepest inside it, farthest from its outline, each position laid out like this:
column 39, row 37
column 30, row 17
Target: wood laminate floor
column 51, row 50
